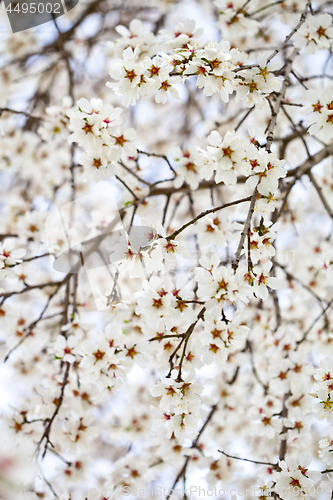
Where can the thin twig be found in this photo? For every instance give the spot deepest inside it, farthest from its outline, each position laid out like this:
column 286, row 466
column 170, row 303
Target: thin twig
column 246, row 459
column 203, row 214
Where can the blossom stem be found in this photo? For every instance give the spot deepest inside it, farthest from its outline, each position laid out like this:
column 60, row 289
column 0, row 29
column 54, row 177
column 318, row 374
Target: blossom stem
column 246, row 227
column 247, row 459
column 203, row 214
column 189, row 333
column 158, row 156
column 320, row 193
column 314, row 322
column 46, row 434
column 288, row 37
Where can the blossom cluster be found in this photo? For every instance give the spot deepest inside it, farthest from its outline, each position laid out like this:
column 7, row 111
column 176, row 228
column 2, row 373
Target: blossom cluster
column 315, row 34
column 211, row 343
column 95, row 127
column 231, row 156
column 217, row 66
column 320, row 111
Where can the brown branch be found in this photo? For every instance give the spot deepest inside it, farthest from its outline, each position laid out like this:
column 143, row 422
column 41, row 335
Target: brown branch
column 246, row 459
column 156, row 155
column 299, row 171
column 127, row 187
column 244, row 232
column 314, row 322
column 8, row 235
column 203, row 214
column 167, row 201
column 5, row 295
column 47, row 431
column 189, row 333
column 294, row 278
column 319, row 190
column 278, row 104
column 162, row 337
column 133, row 173
column 31, row 258
column 16, row 112
column 288, row 37
column 254, row 370
column 283, row 444
column 33, row 324
column 185, row 337
column 300, row 135
column 266, row 7
column 313, row 160
column 239, row 11
column 269, row 141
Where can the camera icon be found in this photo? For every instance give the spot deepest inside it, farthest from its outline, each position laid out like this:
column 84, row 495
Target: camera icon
column 26, row 14
column 88, row 234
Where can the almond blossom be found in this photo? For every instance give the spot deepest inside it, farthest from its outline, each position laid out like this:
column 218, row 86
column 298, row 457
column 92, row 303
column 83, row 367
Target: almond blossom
column 193, row 188
column 315, row 34
column 225, row 156
column 295, row 479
